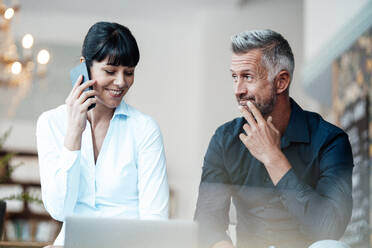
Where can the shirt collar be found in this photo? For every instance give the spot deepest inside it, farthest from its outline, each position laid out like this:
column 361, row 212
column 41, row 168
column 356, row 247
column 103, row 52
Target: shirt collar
column 297, row 129
column 121, row 110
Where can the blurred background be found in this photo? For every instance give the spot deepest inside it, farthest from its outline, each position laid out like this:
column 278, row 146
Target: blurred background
column 182, row 80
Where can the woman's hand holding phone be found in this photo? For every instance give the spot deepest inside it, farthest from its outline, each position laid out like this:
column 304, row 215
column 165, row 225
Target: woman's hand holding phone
column 78, row 102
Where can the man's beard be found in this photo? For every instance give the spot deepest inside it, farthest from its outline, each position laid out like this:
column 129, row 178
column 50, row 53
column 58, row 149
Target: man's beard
column 266, row 107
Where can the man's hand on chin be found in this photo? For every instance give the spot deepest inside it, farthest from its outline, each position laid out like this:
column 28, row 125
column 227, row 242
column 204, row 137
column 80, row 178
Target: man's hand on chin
column 262, row 139
column 223, row 244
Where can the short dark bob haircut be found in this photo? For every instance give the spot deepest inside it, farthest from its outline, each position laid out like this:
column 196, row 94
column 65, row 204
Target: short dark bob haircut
column 112, row 40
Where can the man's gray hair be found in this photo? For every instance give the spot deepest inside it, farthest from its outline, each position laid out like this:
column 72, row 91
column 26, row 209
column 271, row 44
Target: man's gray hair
column 276, row 53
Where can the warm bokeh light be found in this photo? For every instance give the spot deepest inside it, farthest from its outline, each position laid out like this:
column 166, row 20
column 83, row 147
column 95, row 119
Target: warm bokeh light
column 16, row 68
column 43, row 57
column 9, row 13
column 27, row 41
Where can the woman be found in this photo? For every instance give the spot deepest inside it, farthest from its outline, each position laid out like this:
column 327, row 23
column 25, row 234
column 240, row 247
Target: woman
column 108, row 161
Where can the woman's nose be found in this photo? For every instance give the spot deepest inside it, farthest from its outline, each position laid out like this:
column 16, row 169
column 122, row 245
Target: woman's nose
column 120, row 81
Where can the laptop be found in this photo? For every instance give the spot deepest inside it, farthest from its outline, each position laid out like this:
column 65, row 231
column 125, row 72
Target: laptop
column 88, row 232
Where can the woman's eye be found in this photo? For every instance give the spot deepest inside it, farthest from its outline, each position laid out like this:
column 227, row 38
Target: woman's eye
column 109, row 72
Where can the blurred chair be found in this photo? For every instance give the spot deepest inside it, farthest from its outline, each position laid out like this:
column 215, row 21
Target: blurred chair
column 2, row 217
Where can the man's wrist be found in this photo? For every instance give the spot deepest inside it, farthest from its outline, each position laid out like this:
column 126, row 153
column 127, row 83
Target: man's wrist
column 274, row 158
column 277, row 166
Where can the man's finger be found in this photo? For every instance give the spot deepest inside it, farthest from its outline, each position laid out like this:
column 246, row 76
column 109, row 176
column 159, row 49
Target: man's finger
column 271, row 125
column 247, row 128
column 248, row 116
column 256, row 113
column 243, row 138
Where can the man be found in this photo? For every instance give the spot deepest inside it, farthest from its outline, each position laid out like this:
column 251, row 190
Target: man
column 287, row 171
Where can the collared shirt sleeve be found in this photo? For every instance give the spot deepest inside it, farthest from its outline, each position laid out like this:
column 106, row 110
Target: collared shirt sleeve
column 59, row 171
column 323, row 212
column 213, row 205
column 153, row 190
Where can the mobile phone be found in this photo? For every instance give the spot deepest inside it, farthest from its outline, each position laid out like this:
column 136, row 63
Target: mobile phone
column 81, row 69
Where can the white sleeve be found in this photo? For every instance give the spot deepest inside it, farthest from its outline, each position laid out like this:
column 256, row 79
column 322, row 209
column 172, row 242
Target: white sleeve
column 59, row 171
column 153, row 190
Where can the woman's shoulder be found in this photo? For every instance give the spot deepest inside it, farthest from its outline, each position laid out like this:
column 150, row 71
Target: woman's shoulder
column 140, row 119
column 55, row 115
column 139, row 116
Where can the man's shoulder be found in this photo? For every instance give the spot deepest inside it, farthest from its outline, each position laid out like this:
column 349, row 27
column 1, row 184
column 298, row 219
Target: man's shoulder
column 329, row 142
column 231, row 128
column 318, row 125
column 323, row 133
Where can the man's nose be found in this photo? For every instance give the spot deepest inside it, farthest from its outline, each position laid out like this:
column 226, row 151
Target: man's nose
column 240, row 87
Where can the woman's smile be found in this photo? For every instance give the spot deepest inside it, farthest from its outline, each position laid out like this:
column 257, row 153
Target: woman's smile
column 115, row 93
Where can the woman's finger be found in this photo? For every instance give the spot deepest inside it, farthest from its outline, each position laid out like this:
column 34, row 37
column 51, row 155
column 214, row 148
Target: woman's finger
column 89, row 102
column 77, row 83
column 79, row 90
column 86, row 94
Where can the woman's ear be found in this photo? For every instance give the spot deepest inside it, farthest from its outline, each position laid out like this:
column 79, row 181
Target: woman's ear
column 82, row 59
column 282, row 81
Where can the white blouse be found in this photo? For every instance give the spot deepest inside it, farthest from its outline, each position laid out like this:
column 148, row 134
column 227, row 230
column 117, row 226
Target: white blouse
column 129, row 179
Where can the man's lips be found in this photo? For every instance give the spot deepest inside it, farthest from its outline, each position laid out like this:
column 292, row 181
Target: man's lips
column 243, row 102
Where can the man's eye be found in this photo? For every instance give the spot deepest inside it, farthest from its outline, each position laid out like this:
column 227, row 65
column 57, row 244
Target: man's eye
column 129, row 73
column 248, row 77
column 234, row 77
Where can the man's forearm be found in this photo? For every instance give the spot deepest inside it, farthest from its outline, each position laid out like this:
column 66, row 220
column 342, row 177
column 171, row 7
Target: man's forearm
column 322, row 216
column 277, row 167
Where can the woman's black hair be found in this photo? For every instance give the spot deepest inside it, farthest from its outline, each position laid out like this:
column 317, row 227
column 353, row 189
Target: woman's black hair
column 112, row 40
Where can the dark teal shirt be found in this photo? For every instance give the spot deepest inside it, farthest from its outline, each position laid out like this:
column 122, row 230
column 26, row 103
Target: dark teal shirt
column 311, row 202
